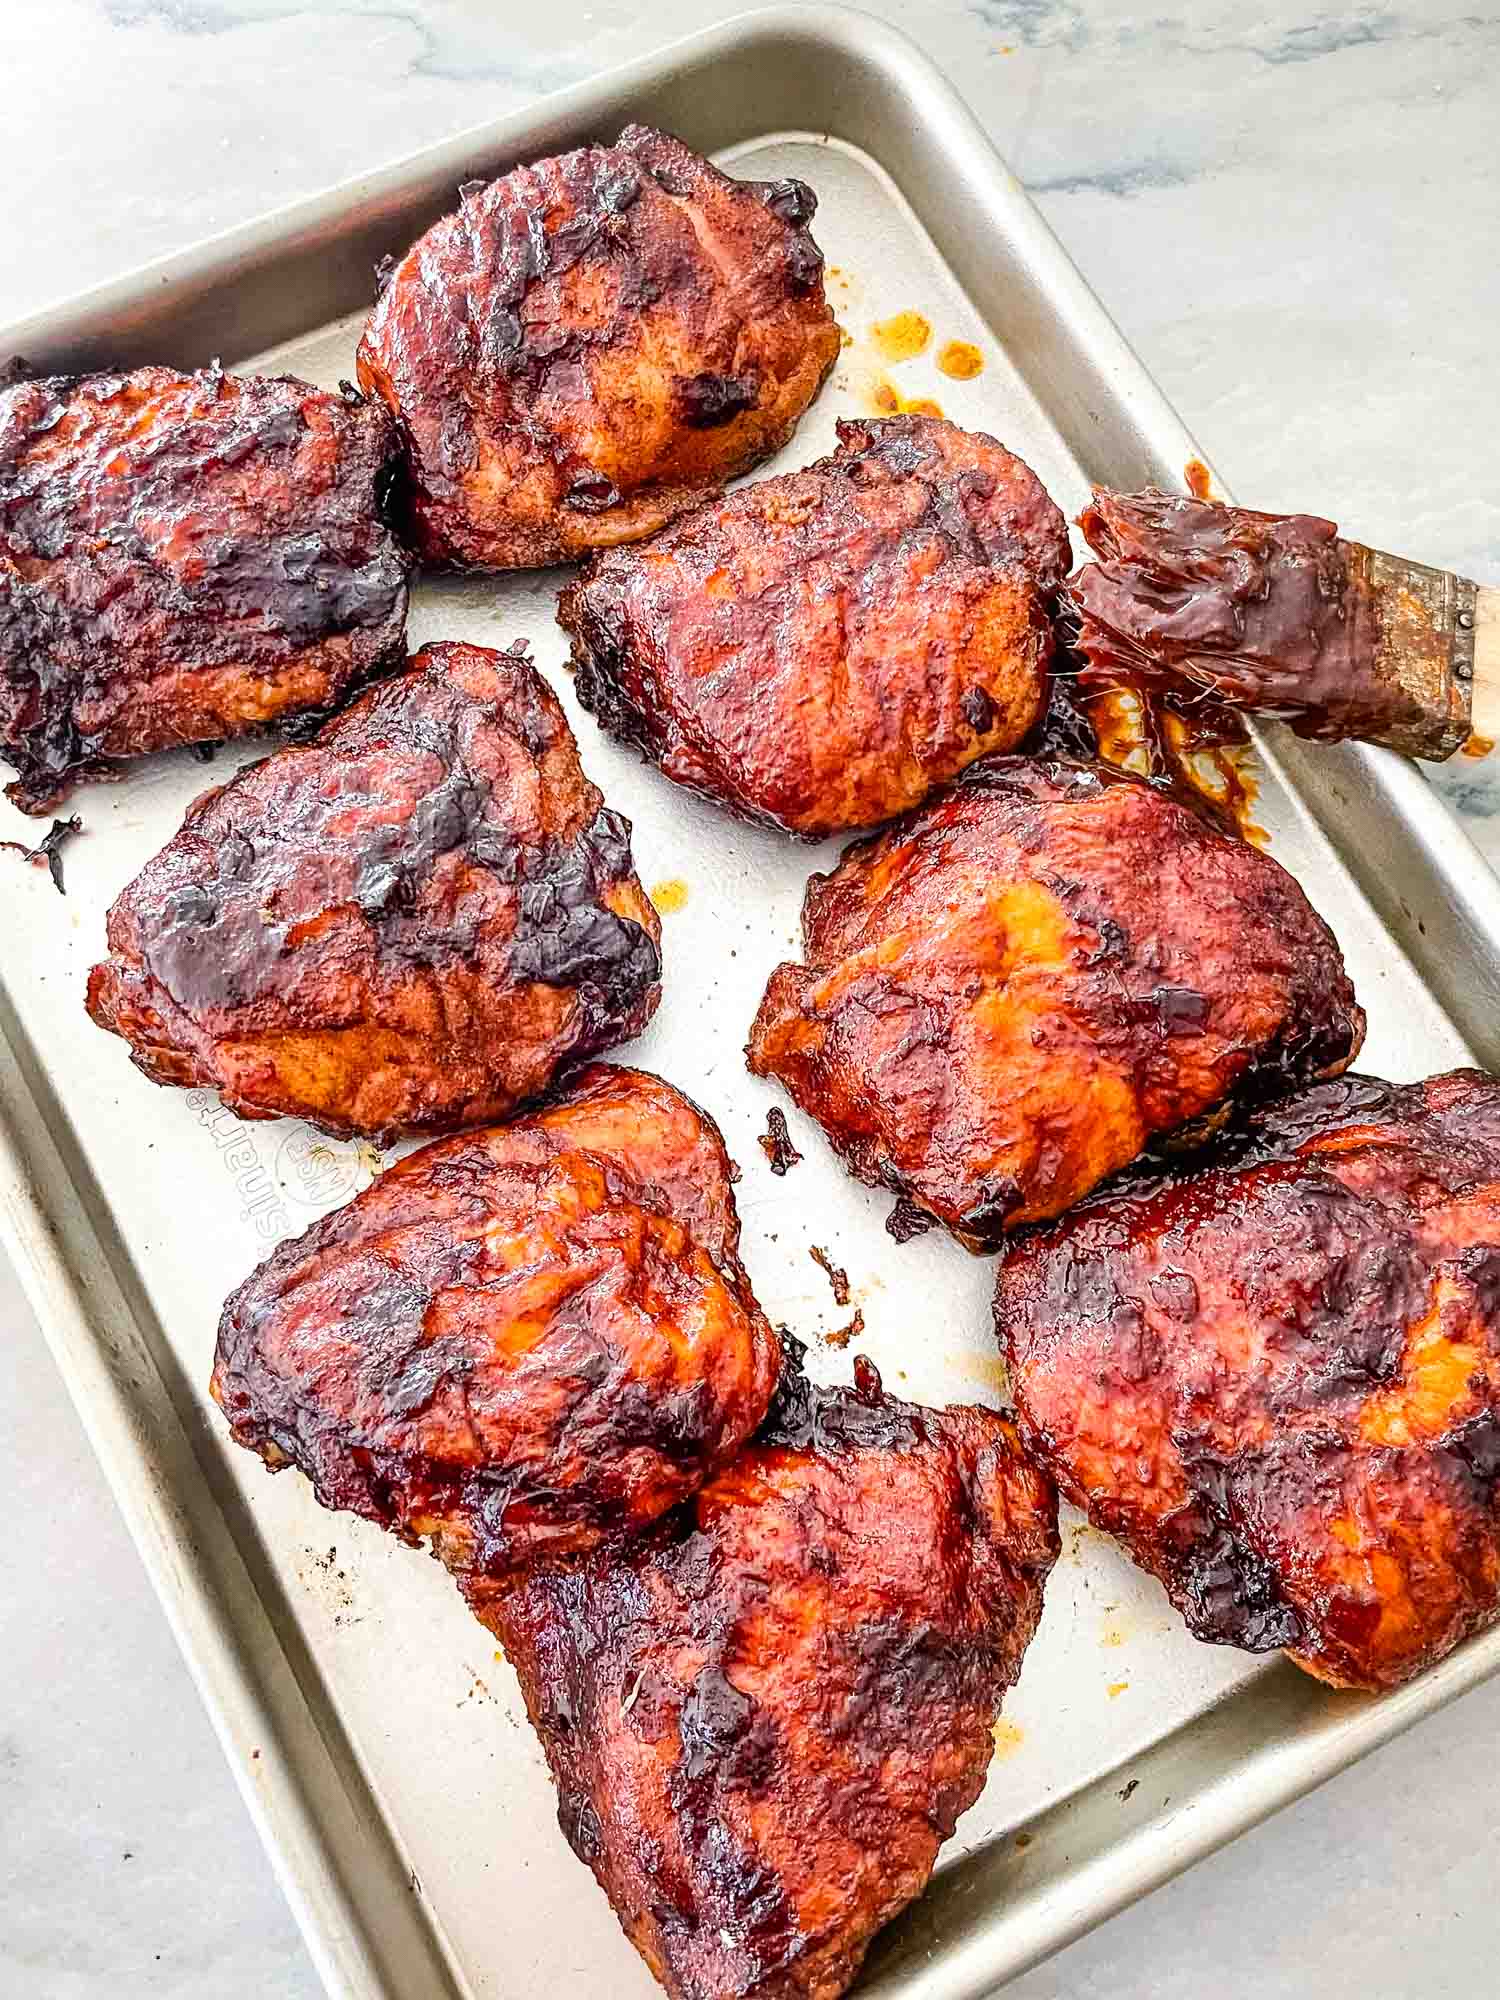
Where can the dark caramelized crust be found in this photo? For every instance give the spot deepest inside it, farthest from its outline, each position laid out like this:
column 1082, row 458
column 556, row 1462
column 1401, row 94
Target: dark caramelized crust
column 409, row 925
column 764, row 1719
column 593, row 344
column 1008, row 994
column 1193, row 598
column 515, row 1341
column 184, row 558
column 1278, row 1380
column 823, row 648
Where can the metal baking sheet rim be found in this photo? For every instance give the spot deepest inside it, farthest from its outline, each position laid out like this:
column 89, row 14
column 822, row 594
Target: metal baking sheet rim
column 366, row 1925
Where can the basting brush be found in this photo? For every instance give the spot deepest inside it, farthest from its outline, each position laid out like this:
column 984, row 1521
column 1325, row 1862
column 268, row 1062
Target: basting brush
column 1210, row 605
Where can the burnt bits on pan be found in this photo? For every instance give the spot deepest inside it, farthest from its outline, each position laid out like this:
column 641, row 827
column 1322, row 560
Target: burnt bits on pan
column 765, row 1717
column 515, row 1341
column 1277, row 1380
column 48, row 852
column 822, row 649
column 1010, row 992
column 408, row 925
column 591, row 345
column 184, row 558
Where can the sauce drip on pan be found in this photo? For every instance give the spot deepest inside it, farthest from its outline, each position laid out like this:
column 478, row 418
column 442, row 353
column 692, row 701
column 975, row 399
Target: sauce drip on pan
column 1193, row 747
column 1201, row 757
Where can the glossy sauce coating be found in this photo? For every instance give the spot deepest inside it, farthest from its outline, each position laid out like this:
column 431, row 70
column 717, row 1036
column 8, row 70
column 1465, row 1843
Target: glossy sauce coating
column 184, row 558
column 516, row 1341
column 594, row 343
column 1013, row 990
column 764, row 1718
column 408, row 925
column 1277, row 1379
column 1206, row 604
column 821, row 649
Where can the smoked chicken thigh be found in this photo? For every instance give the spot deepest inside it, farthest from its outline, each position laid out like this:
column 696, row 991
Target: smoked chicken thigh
column 408, row 925
column 1277, row 1379
column 184, row 558
column 764, row 1717
column 591, row 345
column 822, row 649
column 514, row 1341
column 1011, row 991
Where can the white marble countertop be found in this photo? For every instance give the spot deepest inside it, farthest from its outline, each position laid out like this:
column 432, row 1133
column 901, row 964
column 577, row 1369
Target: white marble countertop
column 1295, row 216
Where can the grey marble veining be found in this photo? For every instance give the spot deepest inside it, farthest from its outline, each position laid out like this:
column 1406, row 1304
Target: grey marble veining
column 1294, row 213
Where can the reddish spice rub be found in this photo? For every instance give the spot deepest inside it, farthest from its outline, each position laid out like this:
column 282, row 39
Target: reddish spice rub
column 594, row 343
column 407, row 925
column 184, row 558
column 1277, row 1378
column 764, row 1718
column 516, row 1341
column 821, row 649
column 1205, row 604
column 1009, row 993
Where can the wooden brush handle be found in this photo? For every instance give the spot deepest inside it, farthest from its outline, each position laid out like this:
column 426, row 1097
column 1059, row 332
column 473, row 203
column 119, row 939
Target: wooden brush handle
column 1486, row 670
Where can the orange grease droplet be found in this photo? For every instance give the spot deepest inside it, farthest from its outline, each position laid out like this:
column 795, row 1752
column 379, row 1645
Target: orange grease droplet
column 1009, row 1736
column 961, row 359
column 887, row 401
column 670, row 896
column 902, row 336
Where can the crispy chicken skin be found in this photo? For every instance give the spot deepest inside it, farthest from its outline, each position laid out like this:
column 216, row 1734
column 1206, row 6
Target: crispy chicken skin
column 1277, row 1380
column 1010, row 992
column 515, row 1341
column 593, row 344
column 184, row 558
column 764, row 1718
column 408, row 925
column 824, row 648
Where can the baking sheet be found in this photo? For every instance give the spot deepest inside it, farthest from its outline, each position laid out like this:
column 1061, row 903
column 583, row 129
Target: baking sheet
column 372, row 1723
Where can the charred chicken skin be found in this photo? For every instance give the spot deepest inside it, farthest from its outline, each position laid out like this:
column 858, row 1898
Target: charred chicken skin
column 822, row 649
column 514, row 1341
column 184, row 558
column 1013, row 990
column 764, row 1718
column 593, row 344
column 1277, row 1380
column 408, row 925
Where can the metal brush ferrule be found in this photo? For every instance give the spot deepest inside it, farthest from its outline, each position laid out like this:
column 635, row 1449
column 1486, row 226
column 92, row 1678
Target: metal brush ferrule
column 1426, row 648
